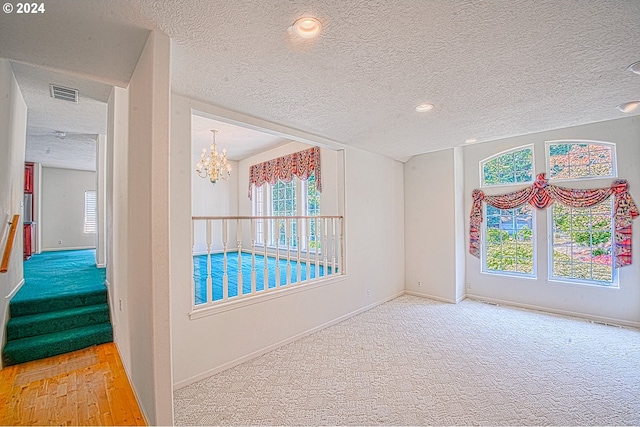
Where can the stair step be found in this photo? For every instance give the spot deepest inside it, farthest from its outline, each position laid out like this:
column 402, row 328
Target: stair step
column 42, row 346
column 54, row 303
column 56, row 321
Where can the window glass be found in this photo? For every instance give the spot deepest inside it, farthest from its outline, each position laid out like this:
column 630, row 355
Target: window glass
column 509, row 240
column 512, row 167
column 574, row 160
column 582, row 243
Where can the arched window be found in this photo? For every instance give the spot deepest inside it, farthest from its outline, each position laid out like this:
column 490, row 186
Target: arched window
column 509, row 167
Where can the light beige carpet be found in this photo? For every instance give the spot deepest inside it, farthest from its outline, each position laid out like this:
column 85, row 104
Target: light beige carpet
column 414, row 361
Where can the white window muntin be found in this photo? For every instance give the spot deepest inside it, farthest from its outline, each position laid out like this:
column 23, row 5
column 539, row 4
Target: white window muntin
column 483, row 248
column 578, row 281
column 547, row 154
column 510, row 150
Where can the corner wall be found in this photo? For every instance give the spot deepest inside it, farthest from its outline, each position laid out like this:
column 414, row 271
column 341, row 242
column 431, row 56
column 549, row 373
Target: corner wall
column 148, row 271
column 13, row 131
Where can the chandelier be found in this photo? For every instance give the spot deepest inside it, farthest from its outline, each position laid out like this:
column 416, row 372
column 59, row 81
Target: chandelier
column 214, row 165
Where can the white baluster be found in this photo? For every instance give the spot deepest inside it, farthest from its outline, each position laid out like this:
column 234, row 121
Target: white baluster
column 318, row 245
column 325, row 246
column 193, row 263
column 225, row 276
column 308, row 239
column 299, row 267
column 287, row 233
column 334, row 242
column 341, row 264
column 253, row 256
column 277, row 233
column 209, row 275
column 265, row 272
column 239, row 243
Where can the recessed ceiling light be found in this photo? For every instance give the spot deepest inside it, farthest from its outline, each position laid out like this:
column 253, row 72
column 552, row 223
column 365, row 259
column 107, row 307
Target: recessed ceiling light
column 470, row 140
column 634, row 68
column 424, row 107
column 628, row 107
column 307, row 27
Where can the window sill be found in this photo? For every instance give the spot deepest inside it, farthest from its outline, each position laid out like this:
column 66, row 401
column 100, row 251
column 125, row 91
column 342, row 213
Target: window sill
column 211, row 309
column 582, row 284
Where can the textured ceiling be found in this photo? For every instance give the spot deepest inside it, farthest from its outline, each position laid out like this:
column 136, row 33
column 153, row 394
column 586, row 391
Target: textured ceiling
column 493, row 69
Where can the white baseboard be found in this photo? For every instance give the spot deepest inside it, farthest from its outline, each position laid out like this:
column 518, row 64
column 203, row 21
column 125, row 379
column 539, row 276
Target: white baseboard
column 77, row 248
column 101, row 265
column 258, row 353
column 14, row 290
column 436, row 298
column 593, row 318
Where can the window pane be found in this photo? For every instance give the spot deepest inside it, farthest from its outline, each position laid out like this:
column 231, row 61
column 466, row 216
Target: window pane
column 582, row 243
column 580, row 160
column 509, row 240
column 509, row 168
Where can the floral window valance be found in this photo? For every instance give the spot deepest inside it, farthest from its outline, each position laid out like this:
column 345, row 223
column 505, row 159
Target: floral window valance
column 541, row 195
column 301, row 164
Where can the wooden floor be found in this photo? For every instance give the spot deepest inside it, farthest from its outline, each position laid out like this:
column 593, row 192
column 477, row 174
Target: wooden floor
column 86, row 387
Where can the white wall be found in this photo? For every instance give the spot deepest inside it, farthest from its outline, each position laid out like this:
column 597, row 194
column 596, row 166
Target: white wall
column 216, row 199
column 374, row 248
column 13, row 131
column 117, row 217
column 615, row 305
column 430, row 220
column 148, row 271
column 62, row 198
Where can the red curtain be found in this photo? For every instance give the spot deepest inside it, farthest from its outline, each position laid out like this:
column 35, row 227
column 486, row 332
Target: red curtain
column 301, row 164
column 541, row 195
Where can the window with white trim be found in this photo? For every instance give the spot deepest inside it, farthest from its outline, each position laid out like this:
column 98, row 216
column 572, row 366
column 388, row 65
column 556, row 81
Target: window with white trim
column 295, row 198
column 509, row 167
column 508, row 234
column 567, row 160
column 581, row 239
column 509, row 240
column 90, row 225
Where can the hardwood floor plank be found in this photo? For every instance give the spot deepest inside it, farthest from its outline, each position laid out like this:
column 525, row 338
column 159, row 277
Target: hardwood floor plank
column 86, row 387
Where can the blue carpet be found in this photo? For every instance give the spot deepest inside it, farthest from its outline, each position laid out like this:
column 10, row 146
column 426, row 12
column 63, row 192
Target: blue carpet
column 53, row 274
column 200, row 274
column 62, row 307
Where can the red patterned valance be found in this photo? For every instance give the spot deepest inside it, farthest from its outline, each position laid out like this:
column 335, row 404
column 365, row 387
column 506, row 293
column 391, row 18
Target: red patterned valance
column 301, row 164
column 542, row 194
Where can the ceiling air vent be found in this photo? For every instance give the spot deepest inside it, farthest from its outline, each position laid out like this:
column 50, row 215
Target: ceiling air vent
column 64, row 93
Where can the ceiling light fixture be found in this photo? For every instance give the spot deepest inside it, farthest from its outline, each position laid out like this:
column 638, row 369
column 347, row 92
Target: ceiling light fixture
column 213, row 166
column 306, row 27
column 628, row 107
column 634, row 68
column 470, row 140
column 424, row 107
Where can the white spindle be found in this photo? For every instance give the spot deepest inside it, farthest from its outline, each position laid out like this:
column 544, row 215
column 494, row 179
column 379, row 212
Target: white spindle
column 253, row 256
column 225, row 276
column 298, row 260
column 209, row 281
column 318, row 246
column 334, row 241
column 341, row 262
column 287, row 233
column 325, row 247
column 277, row 233
column 308, row 238
column 193, row 263
column 265, row 277
column 239, row 242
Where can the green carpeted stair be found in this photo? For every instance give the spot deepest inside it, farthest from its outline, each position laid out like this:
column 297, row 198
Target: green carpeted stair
column 62, row 307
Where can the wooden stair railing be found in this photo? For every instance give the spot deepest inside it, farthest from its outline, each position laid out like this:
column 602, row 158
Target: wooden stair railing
column 7, row 249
